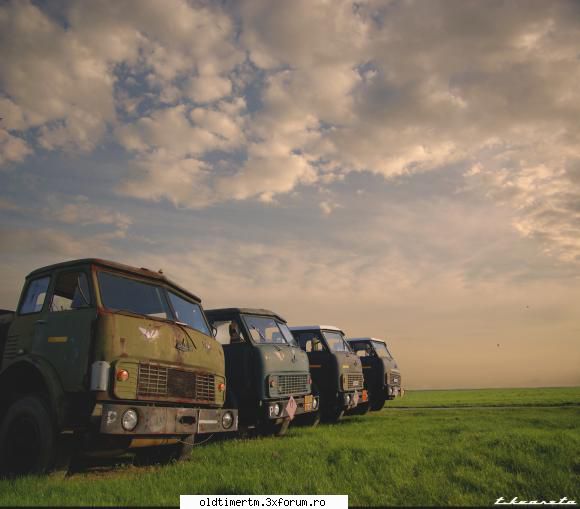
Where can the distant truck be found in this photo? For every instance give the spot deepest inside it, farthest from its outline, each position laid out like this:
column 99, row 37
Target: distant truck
column 268, row 375
column 111, row 358
column 336, row 371
column 381, row 373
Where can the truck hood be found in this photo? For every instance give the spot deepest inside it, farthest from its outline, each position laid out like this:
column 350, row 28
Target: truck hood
column 281, row 359
column 121, row 336
column 347, row 363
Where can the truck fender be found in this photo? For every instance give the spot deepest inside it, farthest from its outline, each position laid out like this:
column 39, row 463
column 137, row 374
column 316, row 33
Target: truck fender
column 32, row 374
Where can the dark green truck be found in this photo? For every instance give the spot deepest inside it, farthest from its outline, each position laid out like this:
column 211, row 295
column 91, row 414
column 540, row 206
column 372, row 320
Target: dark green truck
column 336, row 371
column 382, row 376
column 109, row 358
column 269, row 380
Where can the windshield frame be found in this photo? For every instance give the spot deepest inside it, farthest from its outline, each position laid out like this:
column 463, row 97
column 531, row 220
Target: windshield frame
column 165, row 295
column 343, row 337
column 243, row 317
column 389, row 354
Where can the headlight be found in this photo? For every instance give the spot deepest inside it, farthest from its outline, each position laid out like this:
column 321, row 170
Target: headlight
column 277, row 409
column 130, row 420
column 348, row 398
column 227, row 420
column 314, row 404
column 273, row 381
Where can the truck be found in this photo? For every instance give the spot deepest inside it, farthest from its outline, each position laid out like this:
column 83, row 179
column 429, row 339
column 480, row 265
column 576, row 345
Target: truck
column 269, row 379
column 336, row 370
column 382, row 377
column 103, row 358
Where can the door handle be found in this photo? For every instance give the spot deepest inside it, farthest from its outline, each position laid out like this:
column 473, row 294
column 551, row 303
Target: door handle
column 40, row 322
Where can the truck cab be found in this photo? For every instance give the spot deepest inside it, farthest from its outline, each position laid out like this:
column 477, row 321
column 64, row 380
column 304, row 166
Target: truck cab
column 269, row 380
column 336, row 371
column 119, row 357
column 381, row 374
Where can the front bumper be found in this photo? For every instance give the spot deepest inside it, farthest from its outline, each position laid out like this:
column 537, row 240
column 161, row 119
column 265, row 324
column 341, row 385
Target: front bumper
column 165, row 420
column 392, row 391
column 350, row 399
column 304, row 405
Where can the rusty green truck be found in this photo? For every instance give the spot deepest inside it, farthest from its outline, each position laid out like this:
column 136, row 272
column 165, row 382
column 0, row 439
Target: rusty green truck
column 110, row 358
column 268, row 372
column 381, row 372
column 336, row 371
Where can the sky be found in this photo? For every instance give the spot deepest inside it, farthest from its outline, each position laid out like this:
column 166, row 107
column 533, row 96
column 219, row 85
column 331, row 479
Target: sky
column 408, row 170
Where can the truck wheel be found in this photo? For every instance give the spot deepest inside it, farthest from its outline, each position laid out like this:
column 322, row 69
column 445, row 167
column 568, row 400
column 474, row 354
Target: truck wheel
column 27, row 438
column 377, row 402
column 334, row 415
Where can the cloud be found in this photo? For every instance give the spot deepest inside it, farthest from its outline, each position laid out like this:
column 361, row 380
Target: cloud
column 78, row 210
column 52, row 244
column 252, row 101
column 12, row 148
column 60, row 74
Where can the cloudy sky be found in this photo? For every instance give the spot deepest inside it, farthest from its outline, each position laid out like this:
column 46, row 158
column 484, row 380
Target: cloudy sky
column 407, row 170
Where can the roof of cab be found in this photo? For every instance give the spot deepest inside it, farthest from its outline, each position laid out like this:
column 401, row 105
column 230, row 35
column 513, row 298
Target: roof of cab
column 245, row 311
column 367, row 339
column 142, row 271
column 316, row 327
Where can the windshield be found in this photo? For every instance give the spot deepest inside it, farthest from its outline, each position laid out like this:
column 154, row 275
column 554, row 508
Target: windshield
column 382, row 350
column 336, row 342
column 120, row 293
column 268, row 330
column 188, row 312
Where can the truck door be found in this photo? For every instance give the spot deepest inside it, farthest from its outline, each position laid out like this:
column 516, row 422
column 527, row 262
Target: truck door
column 29, row 319
column 318, row 359
column 65, row 330
column 238, row 356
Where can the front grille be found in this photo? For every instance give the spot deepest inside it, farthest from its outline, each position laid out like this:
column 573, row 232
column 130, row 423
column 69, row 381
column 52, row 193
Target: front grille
column 395, row 379
column 11, row 348
column 292, row 384
column 162, row 381
column 353, row 381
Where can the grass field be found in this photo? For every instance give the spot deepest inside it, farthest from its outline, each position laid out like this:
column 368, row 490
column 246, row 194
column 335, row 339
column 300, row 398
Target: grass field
column 394, row 457
column 548, row 396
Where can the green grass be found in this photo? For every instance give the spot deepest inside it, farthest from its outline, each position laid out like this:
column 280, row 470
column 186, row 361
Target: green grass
column 547, row 396
column 393, row 457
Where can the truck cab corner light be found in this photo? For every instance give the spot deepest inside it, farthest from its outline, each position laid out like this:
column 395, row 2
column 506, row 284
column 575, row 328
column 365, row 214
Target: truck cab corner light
column 221, row 387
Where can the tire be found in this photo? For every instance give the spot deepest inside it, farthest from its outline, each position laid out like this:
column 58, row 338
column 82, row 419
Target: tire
column 27, row 438
column 334, row 415
column 377, row 403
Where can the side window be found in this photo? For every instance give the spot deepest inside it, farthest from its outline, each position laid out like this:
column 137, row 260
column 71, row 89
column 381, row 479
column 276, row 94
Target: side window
column 35, row 295
column 310, row 342
column 71, row 291
column 228, row 332
column 360, row 349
